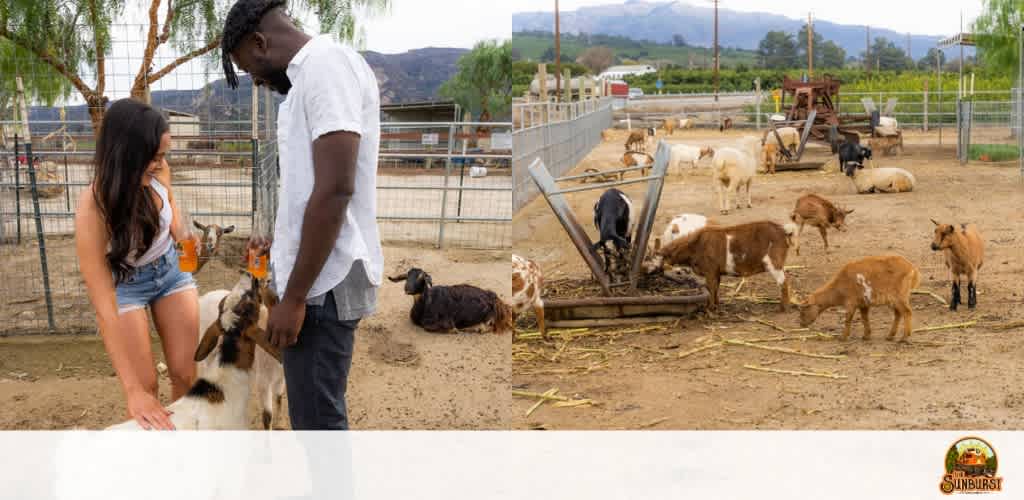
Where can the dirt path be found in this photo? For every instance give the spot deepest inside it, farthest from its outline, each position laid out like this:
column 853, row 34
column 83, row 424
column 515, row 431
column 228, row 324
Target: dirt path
column 402, row 377
column 946, row 379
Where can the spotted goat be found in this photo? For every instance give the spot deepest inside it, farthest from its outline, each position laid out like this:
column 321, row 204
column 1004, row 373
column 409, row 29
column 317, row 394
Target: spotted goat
column 527, row 286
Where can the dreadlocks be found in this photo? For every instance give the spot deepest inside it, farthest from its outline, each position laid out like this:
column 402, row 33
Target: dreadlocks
column 243, row 18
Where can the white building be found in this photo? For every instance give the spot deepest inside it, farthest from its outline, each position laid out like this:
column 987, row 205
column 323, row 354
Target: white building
column 620, row 72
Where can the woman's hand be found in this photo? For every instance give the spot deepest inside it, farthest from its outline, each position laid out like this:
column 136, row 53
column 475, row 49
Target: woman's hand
column 148, row 412
column 259, row 243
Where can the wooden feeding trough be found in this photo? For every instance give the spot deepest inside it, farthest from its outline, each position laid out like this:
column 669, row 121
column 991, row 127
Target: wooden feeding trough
column 633, row 305
column 814, row 109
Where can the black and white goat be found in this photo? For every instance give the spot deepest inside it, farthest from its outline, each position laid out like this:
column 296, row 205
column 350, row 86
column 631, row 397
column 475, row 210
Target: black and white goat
column 219, row 398
column 851, row 156
column 615, row 221
column 450, row 309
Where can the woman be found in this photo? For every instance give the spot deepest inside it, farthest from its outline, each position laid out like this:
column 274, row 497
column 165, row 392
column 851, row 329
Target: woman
column 126, row 225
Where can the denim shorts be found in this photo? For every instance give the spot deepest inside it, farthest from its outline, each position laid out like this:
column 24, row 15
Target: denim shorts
column 152, row 282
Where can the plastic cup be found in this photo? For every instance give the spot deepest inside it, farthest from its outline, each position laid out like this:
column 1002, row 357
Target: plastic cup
column 257, row 264
column 188, row 259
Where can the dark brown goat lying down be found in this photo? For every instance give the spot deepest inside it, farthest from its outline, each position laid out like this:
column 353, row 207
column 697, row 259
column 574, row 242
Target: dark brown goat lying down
column 450, row 309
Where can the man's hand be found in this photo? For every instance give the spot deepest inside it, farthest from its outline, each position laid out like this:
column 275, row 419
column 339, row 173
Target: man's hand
column 285, row 322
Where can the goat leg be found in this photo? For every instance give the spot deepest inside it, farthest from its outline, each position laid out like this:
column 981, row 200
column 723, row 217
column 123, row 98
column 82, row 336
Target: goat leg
column 954, row 300
column 972, row 295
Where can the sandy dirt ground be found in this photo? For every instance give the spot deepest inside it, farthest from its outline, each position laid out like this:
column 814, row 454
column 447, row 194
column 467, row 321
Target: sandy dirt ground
column 944, row 379
column 402, row 377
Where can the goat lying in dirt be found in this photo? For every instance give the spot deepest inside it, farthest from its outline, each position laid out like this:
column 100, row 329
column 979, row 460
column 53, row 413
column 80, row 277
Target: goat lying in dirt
column 450, row 309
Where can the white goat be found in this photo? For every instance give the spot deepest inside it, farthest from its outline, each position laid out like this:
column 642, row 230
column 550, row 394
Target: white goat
column 887, row 126
column 686, row 123
column 883, row 180
column 683, row 153
column 731, row 169
column 219, row 398
column 790, row 137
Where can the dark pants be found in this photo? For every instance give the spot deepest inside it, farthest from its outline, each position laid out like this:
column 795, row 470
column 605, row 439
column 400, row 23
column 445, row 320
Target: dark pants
column 316, row 369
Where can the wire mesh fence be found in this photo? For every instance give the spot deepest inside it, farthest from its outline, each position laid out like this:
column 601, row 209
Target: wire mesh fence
column 560, row 134
column 445, row 184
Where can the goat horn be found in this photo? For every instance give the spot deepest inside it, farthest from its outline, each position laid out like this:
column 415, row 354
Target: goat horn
column 398, row 278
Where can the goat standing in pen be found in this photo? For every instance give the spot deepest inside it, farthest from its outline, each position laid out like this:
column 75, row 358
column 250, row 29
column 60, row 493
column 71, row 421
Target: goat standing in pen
column 615, row 221
column 527, row 286
column 816, row 211
column 451, row 309
column 219, row 398
column 210, row 242
column 965, row 253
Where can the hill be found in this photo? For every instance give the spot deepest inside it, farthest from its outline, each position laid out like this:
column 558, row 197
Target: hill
column 532, row 46
column 660, row 21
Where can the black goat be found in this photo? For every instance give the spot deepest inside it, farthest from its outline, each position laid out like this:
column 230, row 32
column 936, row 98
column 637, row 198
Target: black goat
column 614, row 219
column 852, row 153
column 446, row 309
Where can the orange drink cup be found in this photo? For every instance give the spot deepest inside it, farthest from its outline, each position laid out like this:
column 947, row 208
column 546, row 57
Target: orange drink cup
column 188, row 259
column 258, row 263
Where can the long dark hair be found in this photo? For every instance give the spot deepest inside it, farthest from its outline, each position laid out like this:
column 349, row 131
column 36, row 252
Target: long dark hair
column 128, row 142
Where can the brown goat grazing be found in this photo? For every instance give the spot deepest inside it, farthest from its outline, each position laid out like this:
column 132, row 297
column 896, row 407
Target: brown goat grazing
column 636, row 138
column 964, row 255
column 862, row 284
column 741, row 250
column 669, row 125
column 816, row 211
column 768, row 154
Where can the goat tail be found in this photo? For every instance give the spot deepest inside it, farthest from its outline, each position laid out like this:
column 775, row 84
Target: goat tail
column 504, row 318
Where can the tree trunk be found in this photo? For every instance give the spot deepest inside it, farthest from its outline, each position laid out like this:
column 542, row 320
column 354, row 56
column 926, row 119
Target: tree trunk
column 97, row 107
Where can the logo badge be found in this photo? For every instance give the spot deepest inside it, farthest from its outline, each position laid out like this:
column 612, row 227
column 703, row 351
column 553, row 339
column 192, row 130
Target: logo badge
column 971, row 467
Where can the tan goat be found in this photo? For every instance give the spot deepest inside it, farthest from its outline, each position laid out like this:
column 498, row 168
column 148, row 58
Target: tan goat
column 669, row 125
column 637, row 138
column 816, row 211
column 865, row 283
column 965, row 252
column 768, row 155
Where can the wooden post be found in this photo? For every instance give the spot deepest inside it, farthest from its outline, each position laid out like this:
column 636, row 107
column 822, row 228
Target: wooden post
column 542, row 80
column 924, row 119
column 25, row 134
column 567, row 80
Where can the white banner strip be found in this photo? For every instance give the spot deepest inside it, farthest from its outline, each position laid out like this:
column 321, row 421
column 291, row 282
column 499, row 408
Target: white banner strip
column 497, row 465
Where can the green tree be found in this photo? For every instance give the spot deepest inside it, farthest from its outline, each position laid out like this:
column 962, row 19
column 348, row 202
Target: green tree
column 483, row 84
column 801, row 47
column 73, row 38
column 832, row 55
column 927, row 63
column 678, row 40
column 777, row 50
column 996, row 31
column 886, row 55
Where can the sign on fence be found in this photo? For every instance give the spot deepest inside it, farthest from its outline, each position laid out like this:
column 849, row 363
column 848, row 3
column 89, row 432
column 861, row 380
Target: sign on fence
column 429, row 139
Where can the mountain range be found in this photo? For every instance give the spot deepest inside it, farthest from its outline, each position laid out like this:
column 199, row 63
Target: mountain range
column 659, row 21
column 410, row 76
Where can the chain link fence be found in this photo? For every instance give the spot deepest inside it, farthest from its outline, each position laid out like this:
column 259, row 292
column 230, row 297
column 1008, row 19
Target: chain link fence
column 561, row 134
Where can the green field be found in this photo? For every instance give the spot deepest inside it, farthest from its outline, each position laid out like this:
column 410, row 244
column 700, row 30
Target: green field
column 993, row 152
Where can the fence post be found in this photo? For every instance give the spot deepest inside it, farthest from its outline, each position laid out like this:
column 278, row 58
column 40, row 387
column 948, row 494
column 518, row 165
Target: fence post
column 40, row 237
column 924, row 119
column 444, row 192
column 17, row 188
column 757, row 101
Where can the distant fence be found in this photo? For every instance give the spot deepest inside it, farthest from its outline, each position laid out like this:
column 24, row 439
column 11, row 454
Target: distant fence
column 561, row 134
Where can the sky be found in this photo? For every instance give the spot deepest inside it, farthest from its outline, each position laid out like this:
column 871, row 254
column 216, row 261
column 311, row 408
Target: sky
column 920, row 17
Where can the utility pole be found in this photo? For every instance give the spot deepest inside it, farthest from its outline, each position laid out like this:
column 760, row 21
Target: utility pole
column 810, row 47
column 558, row 57
column 867, row 49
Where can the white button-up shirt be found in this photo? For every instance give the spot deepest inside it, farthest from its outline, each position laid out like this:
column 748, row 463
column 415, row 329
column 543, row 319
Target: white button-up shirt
column 333, row 89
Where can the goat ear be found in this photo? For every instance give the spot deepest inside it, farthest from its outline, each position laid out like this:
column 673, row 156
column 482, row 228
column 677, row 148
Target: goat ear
column 209, row 341
column 198, row 225
column 398, row 277
column 933, row 222
column 260, row 337
column 228, row 229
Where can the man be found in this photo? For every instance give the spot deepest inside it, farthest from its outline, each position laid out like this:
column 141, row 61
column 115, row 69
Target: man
column 326, row 255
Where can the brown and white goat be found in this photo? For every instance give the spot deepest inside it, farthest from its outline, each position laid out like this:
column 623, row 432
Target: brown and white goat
column 634, row 159
column 527, row 285
column 865, row 283
column 210, row 241
column 741, row 250
column 816, row 211
column 965, row 254
column 219, row 398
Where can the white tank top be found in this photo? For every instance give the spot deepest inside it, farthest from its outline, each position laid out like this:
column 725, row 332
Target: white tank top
column 162, row 240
